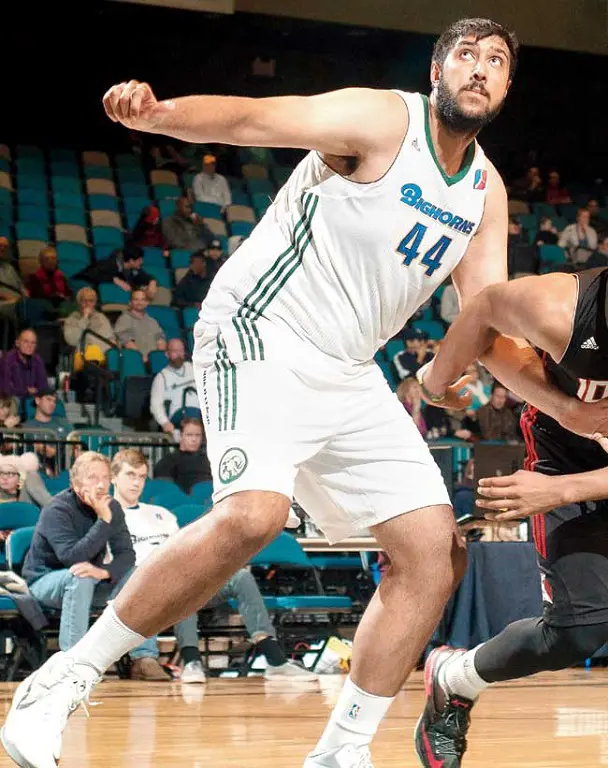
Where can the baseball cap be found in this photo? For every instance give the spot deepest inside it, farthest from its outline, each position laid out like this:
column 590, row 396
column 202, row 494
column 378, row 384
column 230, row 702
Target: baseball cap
column 209, row 158
column 215, row 244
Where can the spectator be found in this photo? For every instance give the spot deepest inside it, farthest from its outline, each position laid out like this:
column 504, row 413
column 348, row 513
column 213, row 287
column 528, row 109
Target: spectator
column 599, row 258
column 215, row 257
column 20, row 481
column 148, row 230
column 521, row 256
column 87, row 318
column 173, row 389
column 48, row 282
column 468, row 429
column 579, row 240
column 416, row 353
column 124, row 269
column 9, row 412
column 11, row 285
column 185, row 229
column 529, row 188
column 45, row 416
column 496, row 420
column 556, row 194
column 409, row 395
column 189, row 464
column 211, row 187
column 150, row 527
column 136, row 329
column 547, row 233
column 450, row 306
column 480, row 392
column 596, row 221
column 68, row 566
column 22, row 370
column 193, row 287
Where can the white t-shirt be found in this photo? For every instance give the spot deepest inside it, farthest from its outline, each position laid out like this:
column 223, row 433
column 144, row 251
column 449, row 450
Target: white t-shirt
column 150, row 527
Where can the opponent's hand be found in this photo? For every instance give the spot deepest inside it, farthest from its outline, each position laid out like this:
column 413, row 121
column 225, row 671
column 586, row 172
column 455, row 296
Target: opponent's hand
column 603, row 441
column 518, row 496
column 453, row 397
column 134, row 104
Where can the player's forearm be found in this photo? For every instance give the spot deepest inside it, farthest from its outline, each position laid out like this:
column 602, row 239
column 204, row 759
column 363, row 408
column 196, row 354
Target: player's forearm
column 200, row 119
column 520, row 370
column 586, row 486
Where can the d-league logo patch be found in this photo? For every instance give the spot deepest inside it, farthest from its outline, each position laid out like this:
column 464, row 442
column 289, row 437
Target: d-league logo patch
column 353, row 712
column 481, row 179
column 232, row 465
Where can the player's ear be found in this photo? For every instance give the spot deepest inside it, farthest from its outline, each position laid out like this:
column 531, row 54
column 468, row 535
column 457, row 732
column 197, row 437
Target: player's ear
column 435, row 74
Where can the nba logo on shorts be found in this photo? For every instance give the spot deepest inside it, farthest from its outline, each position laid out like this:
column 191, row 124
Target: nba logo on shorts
column 353, row 712
column 481, row 179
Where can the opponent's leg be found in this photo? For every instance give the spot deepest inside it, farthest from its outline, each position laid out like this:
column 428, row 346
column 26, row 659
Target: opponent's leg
column 182, row 576
column 455, row 678
column 428, row 559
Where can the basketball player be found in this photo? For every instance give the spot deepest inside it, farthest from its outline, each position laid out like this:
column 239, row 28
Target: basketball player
column 564, row 490
column 394, row 195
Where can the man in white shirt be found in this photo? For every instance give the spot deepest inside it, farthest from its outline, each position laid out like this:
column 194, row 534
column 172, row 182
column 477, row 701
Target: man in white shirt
column 580, row 239
column 173, row 389
column 150, row 526
column 211, row 187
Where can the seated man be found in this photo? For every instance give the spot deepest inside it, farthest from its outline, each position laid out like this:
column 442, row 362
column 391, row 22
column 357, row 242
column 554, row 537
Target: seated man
column 189, row 464
column 216, row 257
column 124, row 268
column 22, row 370
column 49, row 282
column 193, row 287
column 87, row 318
column 173, row 389
column 12, row 288
column 150, row 526
column 46, row 418
column 68, row 566
column 136, row 329
column 185, row 229
column 209, row 186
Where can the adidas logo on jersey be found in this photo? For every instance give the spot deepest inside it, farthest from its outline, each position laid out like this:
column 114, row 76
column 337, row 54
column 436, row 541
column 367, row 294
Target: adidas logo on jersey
column 411, row 194
column 591, row 343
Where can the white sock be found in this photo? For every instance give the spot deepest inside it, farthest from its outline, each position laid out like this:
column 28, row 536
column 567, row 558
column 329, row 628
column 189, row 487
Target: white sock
column 459, row 676
column 355, row 718
column 106, row 641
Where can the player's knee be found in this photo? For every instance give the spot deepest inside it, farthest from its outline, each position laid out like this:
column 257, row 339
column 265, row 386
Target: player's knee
column 572, row 645
column 256, row 516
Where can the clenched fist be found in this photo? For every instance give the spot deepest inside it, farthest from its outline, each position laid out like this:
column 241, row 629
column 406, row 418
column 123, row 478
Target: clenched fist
column 134, row 104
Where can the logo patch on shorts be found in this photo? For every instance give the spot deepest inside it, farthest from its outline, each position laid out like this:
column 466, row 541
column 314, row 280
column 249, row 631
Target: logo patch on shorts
column 232, row 465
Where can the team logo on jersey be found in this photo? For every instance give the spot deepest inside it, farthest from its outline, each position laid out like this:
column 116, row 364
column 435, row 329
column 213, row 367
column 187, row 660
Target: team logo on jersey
column 232, row 465
column 411, row 194
column 481, row 179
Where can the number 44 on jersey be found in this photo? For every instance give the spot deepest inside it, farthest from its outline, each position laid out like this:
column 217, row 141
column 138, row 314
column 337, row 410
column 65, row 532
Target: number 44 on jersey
column 411, row 246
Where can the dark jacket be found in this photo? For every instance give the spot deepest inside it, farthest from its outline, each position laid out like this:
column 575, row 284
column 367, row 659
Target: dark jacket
column 191, row 290
column 186, row 468
column 68, row 531
column 17, row 373
column 106, row 270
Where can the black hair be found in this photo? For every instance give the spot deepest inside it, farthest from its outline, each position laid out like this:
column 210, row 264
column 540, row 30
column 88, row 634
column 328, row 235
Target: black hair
column 479, row 29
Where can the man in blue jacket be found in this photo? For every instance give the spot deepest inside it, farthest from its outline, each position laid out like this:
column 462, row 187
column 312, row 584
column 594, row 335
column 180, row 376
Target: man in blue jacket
column 81, row 556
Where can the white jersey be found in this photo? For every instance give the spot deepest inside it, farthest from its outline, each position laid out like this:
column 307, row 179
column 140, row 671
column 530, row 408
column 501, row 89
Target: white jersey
column 150, row 527
column 172, row 389
column 341, row 266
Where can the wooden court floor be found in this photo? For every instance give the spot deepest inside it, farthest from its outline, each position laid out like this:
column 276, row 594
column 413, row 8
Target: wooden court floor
column 550, row 721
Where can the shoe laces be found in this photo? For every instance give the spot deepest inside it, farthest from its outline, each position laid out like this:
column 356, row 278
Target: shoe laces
column 66, row 693
column 365, row 759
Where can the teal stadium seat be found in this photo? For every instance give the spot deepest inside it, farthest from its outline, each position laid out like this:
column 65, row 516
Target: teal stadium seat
column 17, row 547
column 208, row 210
column 66, row 185
column 153, row 257
column 136, row 204
column 59, row 155
column 55, row 485
column 61, row 168
column 387, row 370
column 202, row 492
column 155, row 486
column 180, row 258
column 103, row 203
column 242, row 228
column 17, row 514
column 131, row 175
column 393, row 347
column 157, row 360
column 126, row 160
column 30, row 165
column 260, row 186
column 35, row 213
column 167, row 208
column 126, row 362
column 240, row 197
column 70, row 216
column 31, row 230
column 108, row 236
column 190, row 315
column 69, row 200
column 134, row 190
column 171, row 498
column 73, row 252
column 164, row 191
column 98, row 172
column 160, row 274
column 27, row 196
column 113, row 294
column 433, row 328
column 29, row 150
column 168, row 319
column 5, row 165
column 31, row 181
column 552, row 254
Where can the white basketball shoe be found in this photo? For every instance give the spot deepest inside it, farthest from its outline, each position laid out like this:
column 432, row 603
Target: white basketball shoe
column 347, row 756
column 40, row 710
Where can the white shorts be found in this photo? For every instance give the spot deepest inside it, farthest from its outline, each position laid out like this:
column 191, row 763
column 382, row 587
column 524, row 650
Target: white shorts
column 343, row 446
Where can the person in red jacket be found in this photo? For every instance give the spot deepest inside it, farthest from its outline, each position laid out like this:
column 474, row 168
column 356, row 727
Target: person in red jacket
column 147, row 232
column 48, row 282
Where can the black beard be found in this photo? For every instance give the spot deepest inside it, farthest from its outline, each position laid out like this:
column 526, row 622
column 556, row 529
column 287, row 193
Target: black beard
column 452, row 116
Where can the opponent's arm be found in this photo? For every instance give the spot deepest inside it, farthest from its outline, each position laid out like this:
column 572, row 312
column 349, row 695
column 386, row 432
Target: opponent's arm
column 530, row 493
column 349, row 122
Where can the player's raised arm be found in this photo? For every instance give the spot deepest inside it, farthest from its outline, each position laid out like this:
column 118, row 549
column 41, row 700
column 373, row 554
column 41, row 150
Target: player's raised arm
column 349, row 122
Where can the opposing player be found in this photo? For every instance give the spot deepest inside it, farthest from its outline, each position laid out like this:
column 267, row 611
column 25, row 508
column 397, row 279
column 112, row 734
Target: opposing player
column 564, row 490
column 395, row 195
